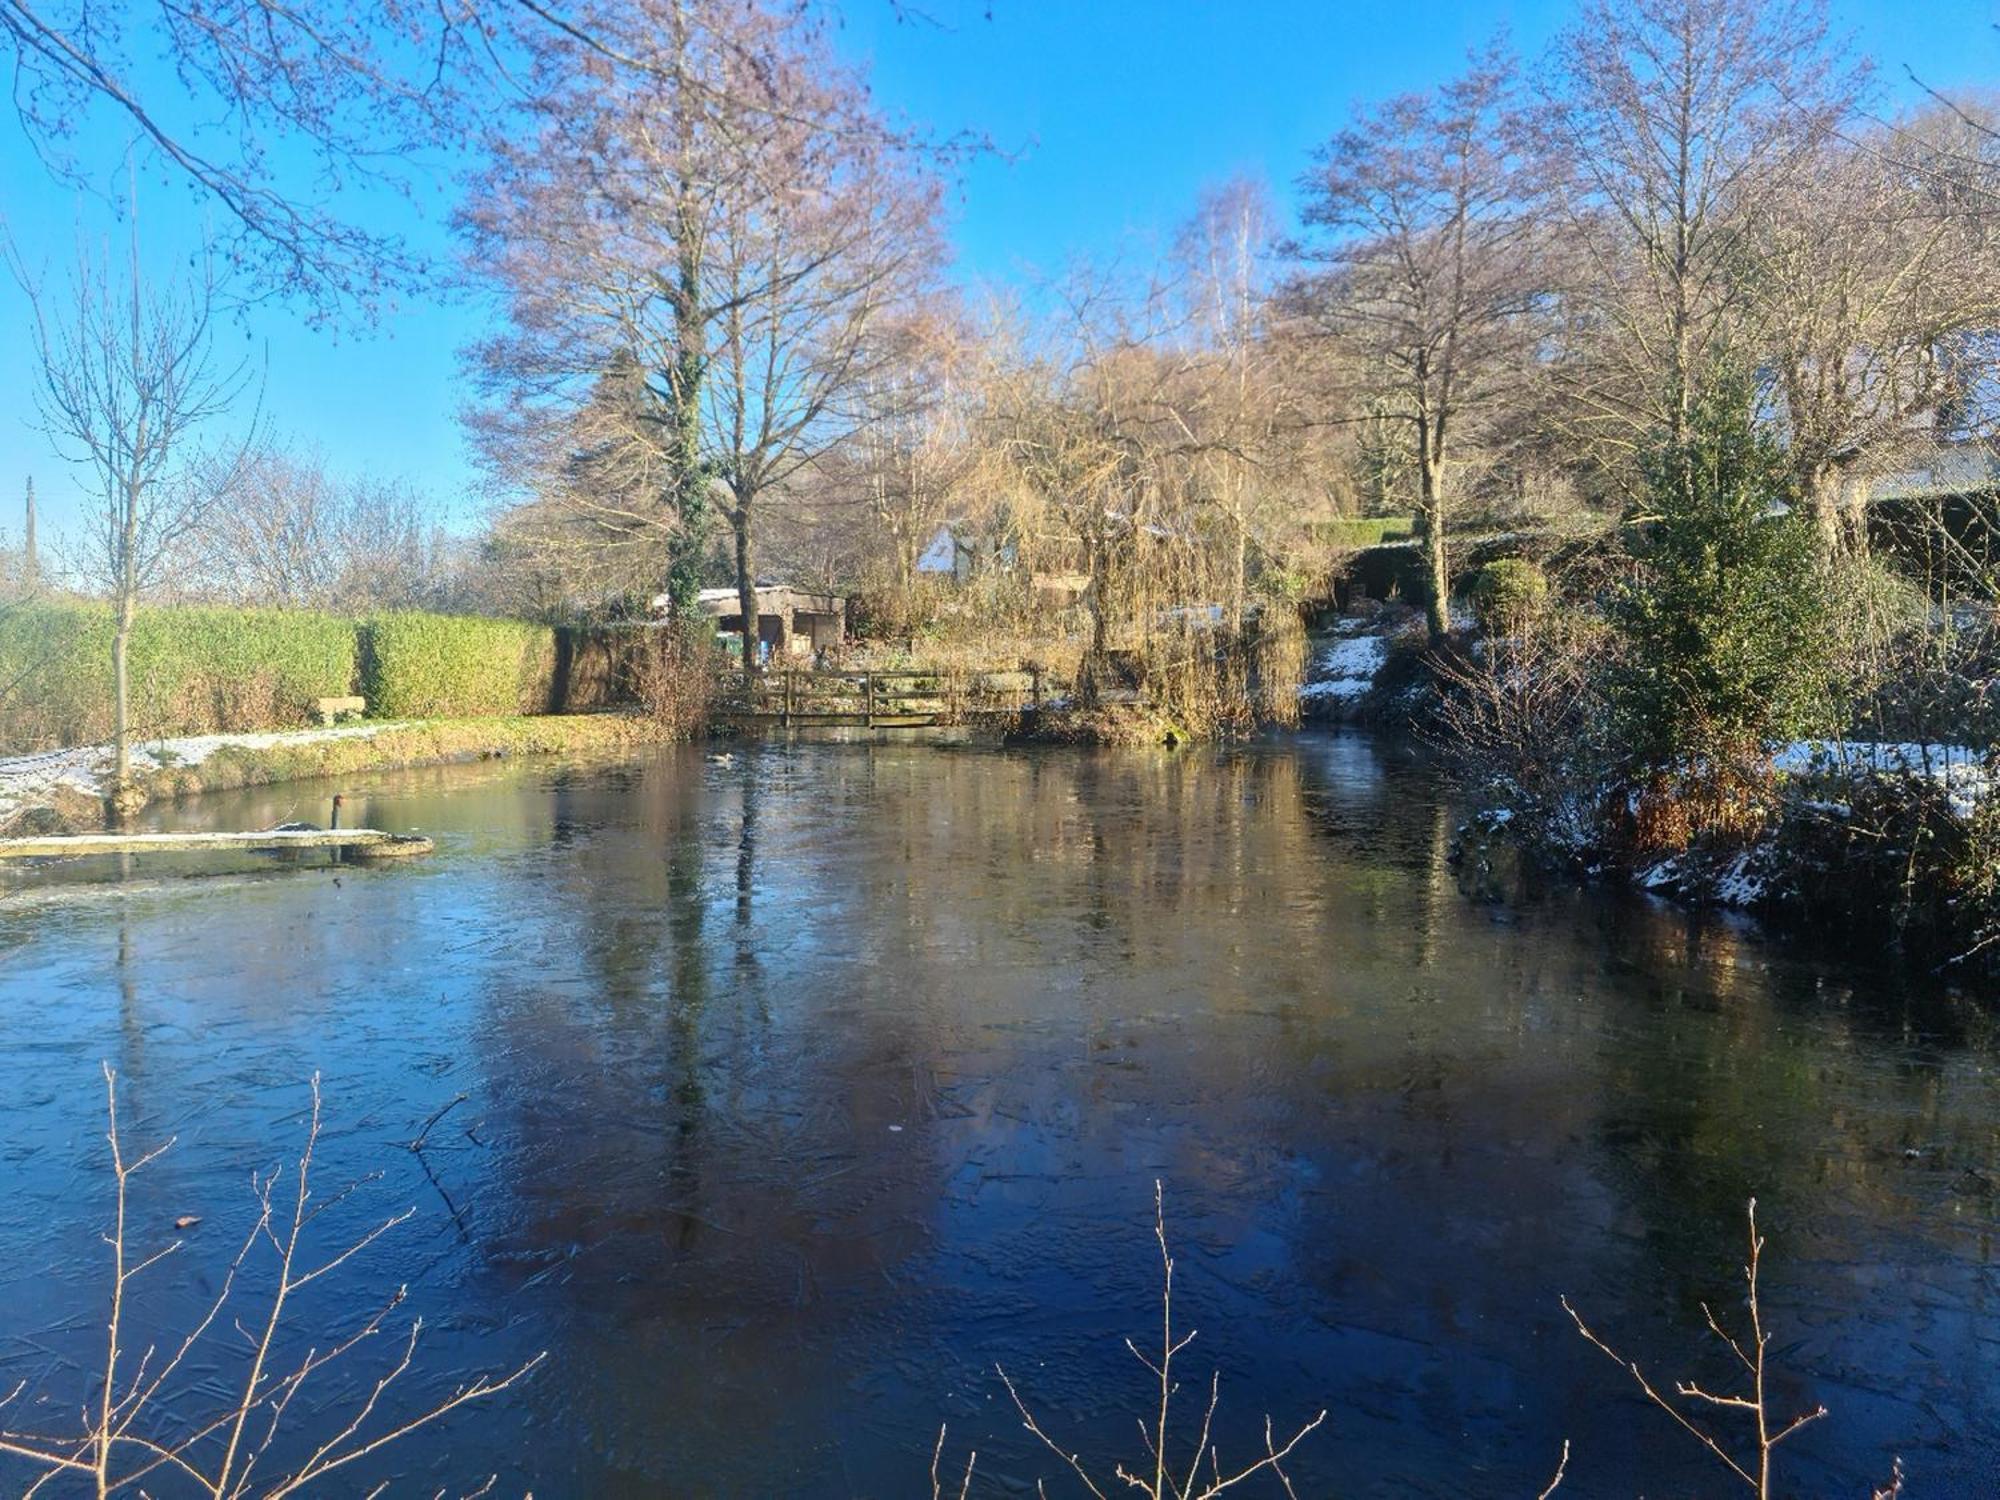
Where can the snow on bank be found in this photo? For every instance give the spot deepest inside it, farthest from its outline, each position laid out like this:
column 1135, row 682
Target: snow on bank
column 1961, row 770
column 1346, row 669
column 29, row 780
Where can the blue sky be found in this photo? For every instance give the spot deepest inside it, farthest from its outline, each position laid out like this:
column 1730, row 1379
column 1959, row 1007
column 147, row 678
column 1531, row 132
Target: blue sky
column 1110, row 117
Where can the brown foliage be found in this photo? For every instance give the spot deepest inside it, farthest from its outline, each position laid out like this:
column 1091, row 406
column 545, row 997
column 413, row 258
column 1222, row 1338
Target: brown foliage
column 674, row 679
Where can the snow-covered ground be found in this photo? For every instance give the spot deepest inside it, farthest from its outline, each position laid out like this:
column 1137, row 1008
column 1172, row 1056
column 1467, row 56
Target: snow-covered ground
column 28, row 780
column 1346, row 669
column 1960, row 769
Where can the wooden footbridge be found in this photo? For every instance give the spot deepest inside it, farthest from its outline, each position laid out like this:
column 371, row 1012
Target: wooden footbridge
column 879, row 700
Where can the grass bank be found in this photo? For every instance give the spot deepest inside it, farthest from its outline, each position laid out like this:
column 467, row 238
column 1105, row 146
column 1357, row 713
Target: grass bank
column 65, row 792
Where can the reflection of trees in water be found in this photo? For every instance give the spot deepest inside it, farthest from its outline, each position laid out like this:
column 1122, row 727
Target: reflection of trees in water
column 694, row 1182
column 1058, row 972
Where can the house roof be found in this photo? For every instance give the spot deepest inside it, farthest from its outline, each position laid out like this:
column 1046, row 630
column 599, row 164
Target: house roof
column 1946, row 472
column 772, row 598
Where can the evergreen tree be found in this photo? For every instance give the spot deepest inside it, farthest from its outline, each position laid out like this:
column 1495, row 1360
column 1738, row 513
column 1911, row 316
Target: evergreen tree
column 1725, row 624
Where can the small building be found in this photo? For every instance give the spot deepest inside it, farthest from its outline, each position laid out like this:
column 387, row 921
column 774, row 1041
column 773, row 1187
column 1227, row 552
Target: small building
column 958, row 552
column 790, row 621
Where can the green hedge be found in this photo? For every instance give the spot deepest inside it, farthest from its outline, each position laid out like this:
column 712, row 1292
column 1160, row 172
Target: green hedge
column 200, row 670
column 1509, row 594
column 194, row 671
column 456, row 666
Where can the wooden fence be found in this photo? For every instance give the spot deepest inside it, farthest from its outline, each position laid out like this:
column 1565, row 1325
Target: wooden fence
column 878, row 700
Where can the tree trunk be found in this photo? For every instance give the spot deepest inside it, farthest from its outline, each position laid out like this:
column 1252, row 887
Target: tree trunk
column 906, row 569
column 1430, row 515
column 123, row 699
column 746, row 582
column 687, row 549
column 1097, row 659
column 1239, row 583
column 1841, row 528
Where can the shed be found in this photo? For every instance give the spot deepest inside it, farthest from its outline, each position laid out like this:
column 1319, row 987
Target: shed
column 790, row 621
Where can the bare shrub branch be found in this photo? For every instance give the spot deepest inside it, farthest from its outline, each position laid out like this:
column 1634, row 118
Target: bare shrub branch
column 136, row 1428
column 1756, row 1471
column 1157, row 1479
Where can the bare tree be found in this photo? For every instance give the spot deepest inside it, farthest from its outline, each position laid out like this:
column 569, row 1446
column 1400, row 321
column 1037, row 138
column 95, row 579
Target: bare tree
column 694, row 252
column 1665, row 125
column 1427, row 280
column 366, row 90
column 912, row 459
column 1875, row 287
column 130, row 385
column 814, row 270
column 384, row 94
column 1237, row 403
column 288, row 532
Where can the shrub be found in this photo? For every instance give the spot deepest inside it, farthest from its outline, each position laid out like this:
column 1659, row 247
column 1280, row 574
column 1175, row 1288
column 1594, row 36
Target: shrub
column 1518, row 720
column 456, row 666
column 674, row 677
column 194, row 670
column 1509, row 595
column 1726, row 634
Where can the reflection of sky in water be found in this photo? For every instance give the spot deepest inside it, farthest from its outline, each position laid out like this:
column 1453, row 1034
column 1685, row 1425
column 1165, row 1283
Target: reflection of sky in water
column 802, row 1090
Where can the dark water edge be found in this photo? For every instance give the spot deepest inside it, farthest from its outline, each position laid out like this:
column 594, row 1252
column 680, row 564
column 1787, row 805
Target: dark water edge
column 802, row 1090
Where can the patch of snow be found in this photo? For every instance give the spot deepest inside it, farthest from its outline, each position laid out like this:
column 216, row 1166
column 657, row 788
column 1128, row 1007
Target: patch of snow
column 1961, row 770
column 1337, row 687
column 1664, row 873
column 1358, row 656
column 1739, row 885
column 1345, row 670
column 26, row 780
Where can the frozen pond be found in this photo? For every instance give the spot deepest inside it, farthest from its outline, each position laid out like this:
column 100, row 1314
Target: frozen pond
column 800, row 1091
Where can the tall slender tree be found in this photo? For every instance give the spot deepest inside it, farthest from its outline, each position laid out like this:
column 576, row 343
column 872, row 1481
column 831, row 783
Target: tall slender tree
column 1665, row 127
column 1422, row 266
column 130, row 385
column 729, row 222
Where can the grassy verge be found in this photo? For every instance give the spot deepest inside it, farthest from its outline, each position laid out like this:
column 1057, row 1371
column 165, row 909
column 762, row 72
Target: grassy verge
column 428, row 742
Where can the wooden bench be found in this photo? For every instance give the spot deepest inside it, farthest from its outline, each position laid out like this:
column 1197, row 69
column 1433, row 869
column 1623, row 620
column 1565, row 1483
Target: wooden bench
column 333, row 710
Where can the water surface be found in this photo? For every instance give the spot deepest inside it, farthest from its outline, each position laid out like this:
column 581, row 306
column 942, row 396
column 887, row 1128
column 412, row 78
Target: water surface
column 800, row 1092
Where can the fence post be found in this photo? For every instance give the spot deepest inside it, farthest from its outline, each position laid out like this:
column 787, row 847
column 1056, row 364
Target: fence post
column 868, row 697
column 789, row 674
column 1034, row 687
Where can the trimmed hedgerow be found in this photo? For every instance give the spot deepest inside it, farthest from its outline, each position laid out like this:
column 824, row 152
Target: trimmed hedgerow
column 195, row 670
column 456, row 666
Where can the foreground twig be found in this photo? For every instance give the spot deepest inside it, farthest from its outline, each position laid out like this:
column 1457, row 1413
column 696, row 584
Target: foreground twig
column 1756, row 1471
column 1158, row 1479
column 139, row 1435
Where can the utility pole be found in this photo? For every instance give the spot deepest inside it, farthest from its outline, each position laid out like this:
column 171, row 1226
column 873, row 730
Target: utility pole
column 30, row 565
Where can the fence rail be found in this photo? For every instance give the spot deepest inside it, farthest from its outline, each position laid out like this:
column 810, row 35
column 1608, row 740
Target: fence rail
column 879, row 700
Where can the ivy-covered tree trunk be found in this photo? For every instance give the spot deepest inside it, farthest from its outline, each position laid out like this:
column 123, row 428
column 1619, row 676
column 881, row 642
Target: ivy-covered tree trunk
column 746, row 580
column 687, row 548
